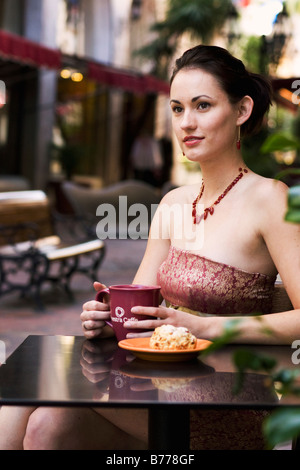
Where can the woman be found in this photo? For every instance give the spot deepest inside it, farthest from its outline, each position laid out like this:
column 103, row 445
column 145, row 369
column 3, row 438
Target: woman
column 212, row 264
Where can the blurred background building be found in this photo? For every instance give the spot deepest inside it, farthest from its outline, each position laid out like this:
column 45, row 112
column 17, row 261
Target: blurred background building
column 64, row 112
column 78, row 95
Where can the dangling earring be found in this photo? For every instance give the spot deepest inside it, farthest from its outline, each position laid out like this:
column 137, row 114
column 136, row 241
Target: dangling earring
column 238, row 142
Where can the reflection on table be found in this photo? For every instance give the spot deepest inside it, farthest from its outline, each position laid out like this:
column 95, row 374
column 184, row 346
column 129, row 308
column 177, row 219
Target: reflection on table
column 72, row 370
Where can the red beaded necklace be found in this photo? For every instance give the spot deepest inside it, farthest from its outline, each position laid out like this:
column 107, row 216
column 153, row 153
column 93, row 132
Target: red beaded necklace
column 210, row 210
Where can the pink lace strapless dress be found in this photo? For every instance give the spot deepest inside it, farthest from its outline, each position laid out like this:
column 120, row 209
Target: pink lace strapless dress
column 206, row 286
column 201, row 286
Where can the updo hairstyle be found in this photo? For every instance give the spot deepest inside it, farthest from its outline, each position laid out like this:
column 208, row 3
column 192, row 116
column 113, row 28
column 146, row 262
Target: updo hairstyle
column 233, row 78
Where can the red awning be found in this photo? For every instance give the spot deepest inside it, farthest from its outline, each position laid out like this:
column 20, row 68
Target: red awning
column 127, row 80
column 18, row 48
column 15, row 47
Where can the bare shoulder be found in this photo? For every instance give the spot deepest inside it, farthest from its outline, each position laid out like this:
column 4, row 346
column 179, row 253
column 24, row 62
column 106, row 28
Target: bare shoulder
column 268, row 202
column 268, row 193
column 182, row 194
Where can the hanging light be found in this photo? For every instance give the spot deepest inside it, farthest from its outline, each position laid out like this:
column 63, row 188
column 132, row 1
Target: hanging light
column 275, row 43
column 231, row 29
column 65, row 74
column 77, row 77
column 136, row 9
column 74, row 75
column 73, row 11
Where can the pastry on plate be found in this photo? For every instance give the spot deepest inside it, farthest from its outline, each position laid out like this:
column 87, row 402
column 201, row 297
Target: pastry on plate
column 168, row 337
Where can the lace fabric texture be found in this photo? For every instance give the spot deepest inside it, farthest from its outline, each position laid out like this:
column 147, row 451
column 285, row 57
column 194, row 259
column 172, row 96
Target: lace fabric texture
column 202, row 285
column 226, row 429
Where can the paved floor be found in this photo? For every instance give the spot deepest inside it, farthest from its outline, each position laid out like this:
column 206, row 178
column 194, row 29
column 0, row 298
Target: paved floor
column 18, row 317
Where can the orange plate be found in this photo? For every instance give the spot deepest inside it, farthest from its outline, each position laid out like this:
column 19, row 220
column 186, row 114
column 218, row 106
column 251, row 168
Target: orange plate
column 141, row 349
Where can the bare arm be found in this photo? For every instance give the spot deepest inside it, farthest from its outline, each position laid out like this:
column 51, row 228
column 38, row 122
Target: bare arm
column 156, row 252
column 95, row 313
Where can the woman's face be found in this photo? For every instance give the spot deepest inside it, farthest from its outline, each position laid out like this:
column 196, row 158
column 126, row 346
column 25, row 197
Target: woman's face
column 204, row 121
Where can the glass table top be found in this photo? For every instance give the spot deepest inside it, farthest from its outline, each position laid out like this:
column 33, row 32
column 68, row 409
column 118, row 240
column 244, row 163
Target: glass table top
column 70, row 370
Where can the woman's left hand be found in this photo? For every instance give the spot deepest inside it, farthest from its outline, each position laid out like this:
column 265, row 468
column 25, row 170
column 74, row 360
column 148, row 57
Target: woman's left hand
column 161, row 316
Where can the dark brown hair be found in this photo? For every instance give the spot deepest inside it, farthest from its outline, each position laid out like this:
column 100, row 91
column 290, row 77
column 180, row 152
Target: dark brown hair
column 233, row 78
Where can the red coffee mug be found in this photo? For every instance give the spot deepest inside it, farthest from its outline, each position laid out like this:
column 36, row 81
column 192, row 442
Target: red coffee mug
column 122, row 298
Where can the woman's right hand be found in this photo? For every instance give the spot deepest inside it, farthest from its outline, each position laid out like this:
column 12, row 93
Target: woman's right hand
column 93, row 317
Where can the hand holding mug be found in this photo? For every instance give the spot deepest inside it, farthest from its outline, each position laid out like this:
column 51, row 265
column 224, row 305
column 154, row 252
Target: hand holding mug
column 94, row 316
column 122, row 299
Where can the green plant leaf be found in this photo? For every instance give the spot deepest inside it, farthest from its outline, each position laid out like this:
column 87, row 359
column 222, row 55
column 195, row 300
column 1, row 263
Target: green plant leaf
column 244, row 360
column 286, row 376
column 287, row 172
column 285, row 381
column 281, row 426
column 230, row 332
column 293, row 212
column 294, row 197
column 292, row 216
column 280, row 142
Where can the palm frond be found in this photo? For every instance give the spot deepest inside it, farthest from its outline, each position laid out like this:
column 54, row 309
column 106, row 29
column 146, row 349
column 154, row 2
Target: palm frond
column 199, row 18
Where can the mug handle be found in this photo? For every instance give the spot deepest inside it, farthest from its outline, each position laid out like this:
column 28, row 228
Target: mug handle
column 99, row 297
